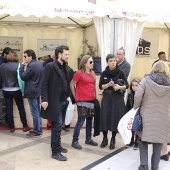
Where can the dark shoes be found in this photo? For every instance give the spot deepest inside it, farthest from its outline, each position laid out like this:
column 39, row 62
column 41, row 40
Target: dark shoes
column 130, row 144
column 136, row 147
column 104, row 142
column 66, row 129
column 143, row 167
column 112, row 144
column 165, row 157
column 59, row 157
column 76, row 145
column 64, row 150
column 12, row 130
column 33, row 135
column 91, row 142
column 26, row 129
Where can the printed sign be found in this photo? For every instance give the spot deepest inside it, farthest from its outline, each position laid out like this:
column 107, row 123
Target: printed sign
column 47, row 47
column 148, row 45
column 15, row 43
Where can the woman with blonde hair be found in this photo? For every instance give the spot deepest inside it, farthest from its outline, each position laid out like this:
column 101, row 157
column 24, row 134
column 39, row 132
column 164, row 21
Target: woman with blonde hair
column 83, row 89
column 152, row 96
column 10, row 86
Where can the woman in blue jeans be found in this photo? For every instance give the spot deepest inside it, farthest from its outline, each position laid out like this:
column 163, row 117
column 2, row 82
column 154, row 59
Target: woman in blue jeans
column 83, row 89
column 9, row 82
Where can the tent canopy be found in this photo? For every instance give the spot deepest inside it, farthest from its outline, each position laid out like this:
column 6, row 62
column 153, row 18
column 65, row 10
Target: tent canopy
column 70, row 13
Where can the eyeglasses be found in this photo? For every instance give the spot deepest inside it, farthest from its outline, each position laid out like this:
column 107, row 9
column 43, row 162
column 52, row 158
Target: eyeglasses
column 91, row 62
column 25, row 56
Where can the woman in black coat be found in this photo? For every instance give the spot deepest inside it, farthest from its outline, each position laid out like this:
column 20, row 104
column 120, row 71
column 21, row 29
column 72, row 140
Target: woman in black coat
column 112, row 104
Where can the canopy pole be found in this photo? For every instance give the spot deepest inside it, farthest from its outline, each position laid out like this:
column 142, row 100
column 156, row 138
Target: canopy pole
column 114, row 36
column 84, row 41
column 4, row 17
column 77, row 23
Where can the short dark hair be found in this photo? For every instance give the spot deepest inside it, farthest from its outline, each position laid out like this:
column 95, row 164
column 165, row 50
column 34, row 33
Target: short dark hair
column 122, row 49
column 6, row 50
column 60, row 49
column 30, row 53
column 109, row 56
column 160, row 53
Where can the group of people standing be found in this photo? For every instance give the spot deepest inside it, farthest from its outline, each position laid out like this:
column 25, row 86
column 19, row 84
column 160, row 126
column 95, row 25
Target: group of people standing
column 52, row 83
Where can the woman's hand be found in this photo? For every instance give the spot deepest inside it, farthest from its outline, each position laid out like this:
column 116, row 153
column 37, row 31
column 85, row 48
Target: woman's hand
column 111, row 83
column 116, row 87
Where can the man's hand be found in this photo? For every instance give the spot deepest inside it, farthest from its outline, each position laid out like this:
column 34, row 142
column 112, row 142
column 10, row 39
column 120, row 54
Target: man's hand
column 44, row 105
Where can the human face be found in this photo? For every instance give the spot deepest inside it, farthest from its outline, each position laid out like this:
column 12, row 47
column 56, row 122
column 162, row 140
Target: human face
column 134, row 86
column 162, row 57
column 120, row 56
column 89, row 64
column 112, row 63
column 27, row 58
column 63, row 57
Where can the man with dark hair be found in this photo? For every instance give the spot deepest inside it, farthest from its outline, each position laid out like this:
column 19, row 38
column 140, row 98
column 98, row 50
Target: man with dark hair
column 122, row 63
column 54, row 95
column 31, row 72
column 161, row 56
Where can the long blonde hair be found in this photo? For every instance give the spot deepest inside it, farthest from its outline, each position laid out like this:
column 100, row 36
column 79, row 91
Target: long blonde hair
column 82, row 67
column 161, row 67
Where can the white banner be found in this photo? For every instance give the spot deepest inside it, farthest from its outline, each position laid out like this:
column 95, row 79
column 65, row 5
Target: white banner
column 15, row 43
column 47, row 46
column 148, row 45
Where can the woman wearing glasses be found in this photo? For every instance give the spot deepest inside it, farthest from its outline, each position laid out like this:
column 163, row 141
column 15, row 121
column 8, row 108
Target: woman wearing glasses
column 83, row 89
column 112, row 104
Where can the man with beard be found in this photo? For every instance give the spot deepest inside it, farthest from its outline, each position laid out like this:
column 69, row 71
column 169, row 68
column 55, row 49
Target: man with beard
column 54, row 95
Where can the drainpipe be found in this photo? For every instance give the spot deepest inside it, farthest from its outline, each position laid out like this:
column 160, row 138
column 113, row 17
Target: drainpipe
column 169, row 41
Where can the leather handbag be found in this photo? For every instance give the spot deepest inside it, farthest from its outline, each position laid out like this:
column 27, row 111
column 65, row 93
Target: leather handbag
column 85, row 112
column 120, row 82
column 137, row 122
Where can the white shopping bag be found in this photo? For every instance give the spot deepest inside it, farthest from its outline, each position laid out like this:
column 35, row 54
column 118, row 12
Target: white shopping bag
column 69, row 113
column 125, row 126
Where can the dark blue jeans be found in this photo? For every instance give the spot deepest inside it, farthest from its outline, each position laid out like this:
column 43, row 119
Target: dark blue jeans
column 57, row 126
column 78, row 126
column 35, row 111
column 17, row 96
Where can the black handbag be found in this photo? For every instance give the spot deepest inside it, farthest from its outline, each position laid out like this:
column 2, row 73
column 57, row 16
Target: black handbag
column 120, row 82
column 85, row 111
column 137, row 122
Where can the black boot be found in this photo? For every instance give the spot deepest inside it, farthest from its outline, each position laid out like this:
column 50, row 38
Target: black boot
column 104, row 142
column 112, row 143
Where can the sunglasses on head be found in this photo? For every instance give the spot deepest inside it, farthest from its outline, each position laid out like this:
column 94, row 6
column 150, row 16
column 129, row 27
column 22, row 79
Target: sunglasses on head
column 91, row 62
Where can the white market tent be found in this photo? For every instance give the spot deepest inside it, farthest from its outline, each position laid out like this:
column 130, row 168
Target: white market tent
column 117, row 23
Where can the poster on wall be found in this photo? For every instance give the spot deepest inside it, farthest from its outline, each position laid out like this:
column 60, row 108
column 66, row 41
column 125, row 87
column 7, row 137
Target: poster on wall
column 46, row 47
column 15, row 43
column 148, row 45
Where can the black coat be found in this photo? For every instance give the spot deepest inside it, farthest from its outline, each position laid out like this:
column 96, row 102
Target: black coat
column 52, row 83
column 112, row 104
column 130, row 101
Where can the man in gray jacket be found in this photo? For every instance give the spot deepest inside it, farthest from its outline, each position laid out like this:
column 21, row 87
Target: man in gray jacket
column 122, row 63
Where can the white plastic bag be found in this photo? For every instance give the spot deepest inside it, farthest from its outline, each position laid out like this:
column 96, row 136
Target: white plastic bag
column 125, row 126
column 69, row 113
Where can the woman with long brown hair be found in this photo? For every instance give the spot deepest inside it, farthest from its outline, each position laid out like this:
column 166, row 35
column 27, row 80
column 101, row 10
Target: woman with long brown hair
column 11, row 90
column 83, row 89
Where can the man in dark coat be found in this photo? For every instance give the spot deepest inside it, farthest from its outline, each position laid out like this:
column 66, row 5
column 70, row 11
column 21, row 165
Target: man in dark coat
column 54, row 95
column 31, row 72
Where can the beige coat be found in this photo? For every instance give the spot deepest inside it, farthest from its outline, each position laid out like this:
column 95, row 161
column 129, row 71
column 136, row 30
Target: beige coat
column 154, row 101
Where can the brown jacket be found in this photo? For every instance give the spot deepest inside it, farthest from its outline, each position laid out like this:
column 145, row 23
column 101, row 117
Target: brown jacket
column 153, row 97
